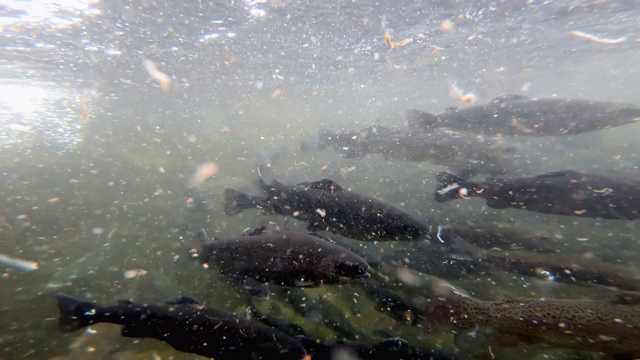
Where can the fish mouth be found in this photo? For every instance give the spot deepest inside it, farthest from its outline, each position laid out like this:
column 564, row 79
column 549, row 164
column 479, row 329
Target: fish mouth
column 365, row 275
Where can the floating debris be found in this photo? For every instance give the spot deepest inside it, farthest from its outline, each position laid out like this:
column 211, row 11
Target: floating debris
column 276, row 93
column 387, row 39
column 21, row 264
column 435, row 48
column 594, row 38
column 468, row 98
column 135, row 273
column 203, row 173
column 84, row 107
column 163, row 79
column 447, row 25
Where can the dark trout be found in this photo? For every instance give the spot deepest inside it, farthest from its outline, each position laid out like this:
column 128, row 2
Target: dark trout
column 187, row 326
column 325, row 205
column 560, row 193
column 611, row 327
column 465, row 153
column 522, row 115
column 282, row 258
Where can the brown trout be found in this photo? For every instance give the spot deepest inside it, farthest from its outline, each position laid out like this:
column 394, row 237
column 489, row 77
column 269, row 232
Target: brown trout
column 611, row 327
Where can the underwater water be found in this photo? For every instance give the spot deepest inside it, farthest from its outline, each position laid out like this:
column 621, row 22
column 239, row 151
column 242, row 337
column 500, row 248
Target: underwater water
column 122, row 123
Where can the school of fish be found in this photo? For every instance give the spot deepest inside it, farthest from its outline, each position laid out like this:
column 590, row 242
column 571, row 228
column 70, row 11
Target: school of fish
column 272, row 264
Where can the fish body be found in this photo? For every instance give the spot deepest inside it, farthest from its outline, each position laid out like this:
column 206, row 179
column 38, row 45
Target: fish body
column 558, row 267
column 393, row 348
column 469, row 153
column 187, row 326
column 564, row 192
column 325, row 205
column 283, row 258
column 611, row 327
column 522, row 115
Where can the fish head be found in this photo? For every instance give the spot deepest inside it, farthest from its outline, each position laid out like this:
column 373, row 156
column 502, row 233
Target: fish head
column 412, row 231
column 350, row 266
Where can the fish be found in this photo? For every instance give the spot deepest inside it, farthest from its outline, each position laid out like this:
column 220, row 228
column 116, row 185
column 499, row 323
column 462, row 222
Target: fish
column 392, row 348
column 290, row 259
column 610, row 326
column 186, row 325
column 505, row 236
column 557, row 267
column 465, row 153
column 326, row 206
column 367, row 251
column 522, row 115
column 564, row 192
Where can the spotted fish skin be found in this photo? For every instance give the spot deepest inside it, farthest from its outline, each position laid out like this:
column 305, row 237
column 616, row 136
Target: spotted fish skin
column 611, row 327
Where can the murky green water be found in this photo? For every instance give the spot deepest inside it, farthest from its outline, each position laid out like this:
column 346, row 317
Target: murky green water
column 89, row 198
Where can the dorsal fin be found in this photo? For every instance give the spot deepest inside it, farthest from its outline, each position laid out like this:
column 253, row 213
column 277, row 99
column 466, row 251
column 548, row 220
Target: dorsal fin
column 507, row 98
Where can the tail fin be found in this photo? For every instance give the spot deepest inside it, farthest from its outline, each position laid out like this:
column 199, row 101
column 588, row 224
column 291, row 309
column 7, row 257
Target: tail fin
column 202, row 236
column 236, row 201
column 75, row 314
column 450, row 186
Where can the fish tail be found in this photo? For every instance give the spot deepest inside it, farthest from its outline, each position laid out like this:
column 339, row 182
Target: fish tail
column 236, row 201
column 451, row 187
column 75, row 314
column 202, row 236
